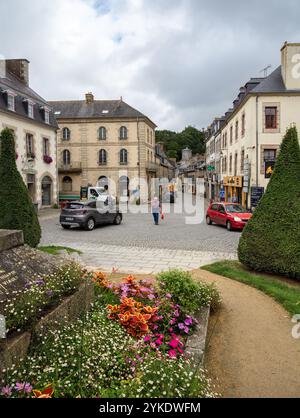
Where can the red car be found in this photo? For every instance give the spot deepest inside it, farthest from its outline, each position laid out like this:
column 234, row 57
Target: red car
column 231, row 215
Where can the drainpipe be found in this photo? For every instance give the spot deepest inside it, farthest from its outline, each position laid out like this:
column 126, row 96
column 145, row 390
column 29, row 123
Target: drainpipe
column 139, row 154
column 257, row 167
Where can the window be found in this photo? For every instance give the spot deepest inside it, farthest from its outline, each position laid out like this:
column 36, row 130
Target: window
column 102, row 133
column 123, row 132
column 236, row 130
column 271, row 117
column 46, row 147
column 66, row 134
column 47, row 116
column 11, row 102
column 235, row 164
column 269, row 154
column 225, row 139
column 102, row 157
column 148, row 135
column 123, row 156
column 30, row 109
column 67, row 184
column 66, row 157
column 224, row 165
column 214, row 207
column 231, row 134
column 29, row 146
column 242, row 161
column 243, row 124
column 151, row 137
column 230, row 164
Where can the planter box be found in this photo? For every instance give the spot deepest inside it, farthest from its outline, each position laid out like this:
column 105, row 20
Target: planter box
column 195, row 347
column 16, row 348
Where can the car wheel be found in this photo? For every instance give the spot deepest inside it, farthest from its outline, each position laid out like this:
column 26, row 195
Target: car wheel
column 208, row 220
column 118, row 220
column 66, row 226
column 228, row 226
column 90, row 225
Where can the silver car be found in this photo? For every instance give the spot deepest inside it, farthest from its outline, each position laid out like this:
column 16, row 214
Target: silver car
column 89, row 214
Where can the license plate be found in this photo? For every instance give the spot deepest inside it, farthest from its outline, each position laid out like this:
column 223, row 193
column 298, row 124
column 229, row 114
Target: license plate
column 69, row 219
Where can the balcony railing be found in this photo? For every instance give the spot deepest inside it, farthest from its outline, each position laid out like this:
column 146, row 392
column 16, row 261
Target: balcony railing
column 73, row 167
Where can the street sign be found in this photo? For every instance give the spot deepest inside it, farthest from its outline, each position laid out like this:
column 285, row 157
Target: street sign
column 210, row 168
column 256, row 195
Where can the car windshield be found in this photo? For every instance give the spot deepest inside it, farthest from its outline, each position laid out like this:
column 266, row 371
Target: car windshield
column 235, row 209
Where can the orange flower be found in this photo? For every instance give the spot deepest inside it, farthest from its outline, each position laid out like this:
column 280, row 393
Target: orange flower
column 44, row 394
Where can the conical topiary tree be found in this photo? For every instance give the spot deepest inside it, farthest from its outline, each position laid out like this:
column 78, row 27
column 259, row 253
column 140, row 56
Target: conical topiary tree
column 271, row 240
column 16, row 208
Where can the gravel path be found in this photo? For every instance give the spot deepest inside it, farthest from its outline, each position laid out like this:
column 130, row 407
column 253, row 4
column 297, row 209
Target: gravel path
column 251, row 351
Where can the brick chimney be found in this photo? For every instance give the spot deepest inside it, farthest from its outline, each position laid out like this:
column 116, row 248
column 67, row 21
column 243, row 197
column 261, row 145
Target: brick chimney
column 290, row 65
column 19, row 68
column 89, row 98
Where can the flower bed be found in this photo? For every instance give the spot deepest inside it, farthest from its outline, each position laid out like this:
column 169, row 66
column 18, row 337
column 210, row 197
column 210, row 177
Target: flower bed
column 28, row 304
column 132, row 344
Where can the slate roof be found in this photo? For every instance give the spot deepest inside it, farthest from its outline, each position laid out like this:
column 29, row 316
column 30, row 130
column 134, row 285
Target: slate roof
column 97, row 109
column 272, row 84
column 10, row 82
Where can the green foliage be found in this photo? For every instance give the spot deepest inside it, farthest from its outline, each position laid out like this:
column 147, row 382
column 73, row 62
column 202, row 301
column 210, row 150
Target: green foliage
column 188, row 293
column 288, row 296
column 26, row 305
column 271, row 240
column 55, row 249
column 17, row 210
column 174, row 142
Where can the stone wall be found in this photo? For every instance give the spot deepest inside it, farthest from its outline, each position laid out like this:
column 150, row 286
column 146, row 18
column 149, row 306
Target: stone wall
column 19, row 264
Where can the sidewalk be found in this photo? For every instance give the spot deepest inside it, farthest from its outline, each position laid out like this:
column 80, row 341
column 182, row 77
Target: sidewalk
column 48, row 213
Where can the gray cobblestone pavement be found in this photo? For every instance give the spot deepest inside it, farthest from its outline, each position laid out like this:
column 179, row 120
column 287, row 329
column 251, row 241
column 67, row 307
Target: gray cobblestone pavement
column 139, row 246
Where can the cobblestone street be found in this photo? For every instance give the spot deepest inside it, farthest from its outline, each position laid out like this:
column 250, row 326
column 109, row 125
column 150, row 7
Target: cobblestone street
column 137, row 246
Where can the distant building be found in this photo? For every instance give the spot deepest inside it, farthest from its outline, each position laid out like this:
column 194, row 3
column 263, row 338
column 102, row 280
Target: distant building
column 242, row 146
column 102, row 140
column 34, row 125
column 190, row 167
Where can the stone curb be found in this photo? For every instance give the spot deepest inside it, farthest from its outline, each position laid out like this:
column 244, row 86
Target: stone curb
column 195, row 347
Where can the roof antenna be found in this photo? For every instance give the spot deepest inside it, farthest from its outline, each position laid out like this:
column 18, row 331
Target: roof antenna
column 265, row 70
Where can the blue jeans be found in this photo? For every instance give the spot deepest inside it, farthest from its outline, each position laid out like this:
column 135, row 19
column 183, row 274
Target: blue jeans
column 156, row 218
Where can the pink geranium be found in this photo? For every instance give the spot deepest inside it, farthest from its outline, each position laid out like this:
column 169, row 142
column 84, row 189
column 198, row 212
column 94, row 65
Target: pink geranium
column 172, row 353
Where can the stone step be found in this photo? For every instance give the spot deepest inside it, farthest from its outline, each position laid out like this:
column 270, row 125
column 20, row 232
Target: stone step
column 10, row 239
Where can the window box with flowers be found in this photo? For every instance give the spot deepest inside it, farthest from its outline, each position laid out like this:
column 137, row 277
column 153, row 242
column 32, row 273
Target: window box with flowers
column 47, row 159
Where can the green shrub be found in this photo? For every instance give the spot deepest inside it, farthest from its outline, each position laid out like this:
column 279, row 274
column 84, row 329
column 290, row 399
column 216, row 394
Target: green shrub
column 17, row 210
column 271, row 240
column 188, row 293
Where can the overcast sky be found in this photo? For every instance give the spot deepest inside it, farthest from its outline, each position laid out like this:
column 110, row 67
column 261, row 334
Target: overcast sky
column 181, row 62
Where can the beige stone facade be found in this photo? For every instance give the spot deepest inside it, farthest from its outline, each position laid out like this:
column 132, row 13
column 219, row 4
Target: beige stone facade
column 34, row 130
column 243, row 145
column 103, row 142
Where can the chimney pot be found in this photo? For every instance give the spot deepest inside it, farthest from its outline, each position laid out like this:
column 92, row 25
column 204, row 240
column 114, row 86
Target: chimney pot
column 89, row 98
column 19, row 68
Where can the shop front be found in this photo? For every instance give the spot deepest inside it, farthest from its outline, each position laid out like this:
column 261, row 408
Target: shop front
column 234, row 190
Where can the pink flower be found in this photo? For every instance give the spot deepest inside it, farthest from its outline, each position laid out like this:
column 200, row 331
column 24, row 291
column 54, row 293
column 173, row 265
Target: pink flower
column 174, row 343
column 172, row 353
column 147, row 338
column 168, row 296
column 186, row 330
column 158, row 342
column 7, row 390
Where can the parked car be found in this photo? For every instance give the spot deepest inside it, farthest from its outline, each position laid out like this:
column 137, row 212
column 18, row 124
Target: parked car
column 231, row 215
column 89, row 214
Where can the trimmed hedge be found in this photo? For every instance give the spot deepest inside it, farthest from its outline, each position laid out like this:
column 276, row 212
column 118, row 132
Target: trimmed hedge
column 271, row 240
column 16, row 207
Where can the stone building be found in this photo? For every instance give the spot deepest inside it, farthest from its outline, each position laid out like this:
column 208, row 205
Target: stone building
column 33, row 122
column 243, row 149
column 104, row 142
column 191, row 167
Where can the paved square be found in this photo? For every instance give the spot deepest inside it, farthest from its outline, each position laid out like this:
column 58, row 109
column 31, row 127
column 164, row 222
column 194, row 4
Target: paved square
column 138, row 246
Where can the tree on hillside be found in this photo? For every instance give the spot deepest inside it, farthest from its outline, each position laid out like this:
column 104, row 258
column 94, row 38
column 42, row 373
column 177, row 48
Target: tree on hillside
column 16, row 208
column 271, row 240
column 175, row 142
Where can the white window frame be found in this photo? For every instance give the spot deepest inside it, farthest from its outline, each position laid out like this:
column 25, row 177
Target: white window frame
column 11, row 102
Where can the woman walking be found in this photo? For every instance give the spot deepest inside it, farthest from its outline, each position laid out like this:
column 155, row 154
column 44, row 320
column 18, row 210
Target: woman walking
column 155, row 208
